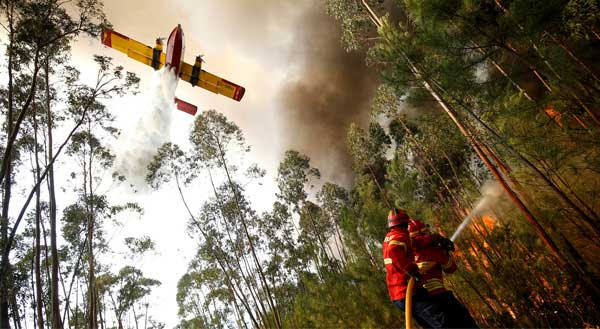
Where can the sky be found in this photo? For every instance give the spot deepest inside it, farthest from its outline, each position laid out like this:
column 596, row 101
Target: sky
column 302, row 91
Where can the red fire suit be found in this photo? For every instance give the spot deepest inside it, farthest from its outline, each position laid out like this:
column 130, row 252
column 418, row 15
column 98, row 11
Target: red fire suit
column 433, row 280
column 399, row 261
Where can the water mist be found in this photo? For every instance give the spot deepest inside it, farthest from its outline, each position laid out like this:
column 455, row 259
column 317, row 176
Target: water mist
column 490, row 193
column 139, row 143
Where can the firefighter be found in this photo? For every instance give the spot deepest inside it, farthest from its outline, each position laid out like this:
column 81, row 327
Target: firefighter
column 432, row 256
column 400, row 266
column 421, row 237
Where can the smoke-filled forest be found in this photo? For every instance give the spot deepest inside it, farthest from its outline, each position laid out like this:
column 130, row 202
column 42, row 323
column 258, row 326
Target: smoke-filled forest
column 480, row 118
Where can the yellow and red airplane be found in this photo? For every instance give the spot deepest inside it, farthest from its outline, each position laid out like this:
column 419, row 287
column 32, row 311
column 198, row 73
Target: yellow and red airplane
column 156, row 58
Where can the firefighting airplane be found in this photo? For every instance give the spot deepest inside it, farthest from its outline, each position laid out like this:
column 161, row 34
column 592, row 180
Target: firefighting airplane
column 173, row 59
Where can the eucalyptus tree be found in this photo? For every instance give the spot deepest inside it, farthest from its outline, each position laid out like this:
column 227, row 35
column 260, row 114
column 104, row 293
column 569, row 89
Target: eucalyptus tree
column 38, row 33
column 333, row 198
column 294, row 176
column 94, row 158
column 125, row 289
column 82, row 100
column 217, row 222
column 216, row 141
column 368, row 149
column 204, row 294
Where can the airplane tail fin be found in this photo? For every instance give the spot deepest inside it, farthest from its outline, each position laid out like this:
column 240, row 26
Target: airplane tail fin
column 186, row 107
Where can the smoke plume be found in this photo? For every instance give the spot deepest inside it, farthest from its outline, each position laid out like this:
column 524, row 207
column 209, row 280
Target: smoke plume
column 329, row 89
column 138, row 144
column 490, row 193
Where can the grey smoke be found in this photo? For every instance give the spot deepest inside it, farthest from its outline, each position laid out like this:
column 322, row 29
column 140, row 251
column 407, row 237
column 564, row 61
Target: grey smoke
column 330, row 89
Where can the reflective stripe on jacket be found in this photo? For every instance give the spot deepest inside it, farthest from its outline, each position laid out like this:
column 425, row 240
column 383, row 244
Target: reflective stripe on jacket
column 433, row 280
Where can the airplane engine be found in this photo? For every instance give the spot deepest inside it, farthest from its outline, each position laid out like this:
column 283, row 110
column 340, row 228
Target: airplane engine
column 196, row 69
column 156, row 51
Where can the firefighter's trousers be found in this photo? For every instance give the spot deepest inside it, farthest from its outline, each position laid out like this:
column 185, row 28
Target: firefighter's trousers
column 438, row 311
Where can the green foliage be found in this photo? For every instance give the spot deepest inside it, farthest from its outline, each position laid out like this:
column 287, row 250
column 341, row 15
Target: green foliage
column 139, row 245
column 581, row 19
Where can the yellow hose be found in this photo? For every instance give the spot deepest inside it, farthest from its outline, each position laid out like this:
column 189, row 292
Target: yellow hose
column 408, row 304
column 408, row 298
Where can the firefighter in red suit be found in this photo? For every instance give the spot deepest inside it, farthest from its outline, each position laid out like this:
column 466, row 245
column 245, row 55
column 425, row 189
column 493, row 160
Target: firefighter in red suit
column 431, row 251
column 400, row 265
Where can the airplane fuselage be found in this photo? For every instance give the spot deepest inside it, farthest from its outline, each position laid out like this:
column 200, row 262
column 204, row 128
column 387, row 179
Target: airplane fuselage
column 175, row 49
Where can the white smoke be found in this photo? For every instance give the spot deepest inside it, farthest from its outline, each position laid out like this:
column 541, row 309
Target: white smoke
column 490, row 193
column 139, row 143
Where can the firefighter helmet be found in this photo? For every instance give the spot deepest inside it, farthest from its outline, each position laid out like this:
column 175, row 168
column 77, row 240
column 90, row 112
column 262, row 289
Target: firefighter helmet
column 416, row 227
column 397, row 217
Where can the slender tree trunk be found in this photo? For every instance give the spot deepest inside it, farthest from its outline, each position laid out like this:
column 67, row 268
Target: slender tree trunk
column 4, row 278
column 592, row 114
column 38, row 219
column 15, row 311
column 135, row 317
column 33, row 290
column 146, row 316
column 118, row 315
column 54, row 300
column 92, row 300
column 319, row 237
column 379, row 187
column 73, row 280
column 8, row 244
column 47, row 271
column 101, row 317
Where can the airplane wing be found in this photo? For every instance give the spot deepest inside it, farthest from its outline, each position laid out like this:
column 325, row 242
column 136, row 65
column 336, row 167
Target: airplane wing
column 134, row 49
column 209, row 81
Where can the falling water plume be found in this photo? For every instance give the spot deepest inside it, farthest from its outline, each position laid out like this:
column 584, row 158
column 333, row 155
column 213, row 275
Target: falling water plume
column 490, row 192
column 139, row 143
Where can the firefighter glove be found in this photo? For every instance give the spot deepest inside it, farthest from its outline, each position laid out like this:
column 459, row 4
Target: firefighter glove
column 414, row 272
column 446, row 244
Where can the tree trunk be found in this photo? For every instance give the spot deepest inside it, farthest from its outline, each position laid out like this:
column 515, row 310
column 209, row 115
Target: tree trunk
column 92, row 300
column 135, row 317
column 38, row 219
column 571, row 54
column 5, row 264
column 146, row 316
column 54, row 300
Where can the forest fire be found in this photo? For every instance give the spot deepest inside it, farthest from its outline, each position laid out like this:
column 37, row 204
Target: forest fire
column 501, row 144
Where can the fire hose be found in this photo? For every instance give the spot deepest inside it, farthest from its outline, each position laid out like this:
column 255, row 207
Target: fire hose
column 408, row 299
